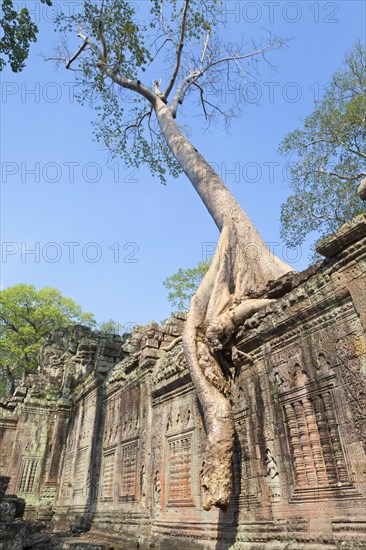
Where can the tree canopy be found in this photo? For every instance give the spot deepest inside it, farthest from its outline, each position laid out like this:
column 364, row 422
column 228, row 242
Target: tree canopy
column 328, row 156
column 26, row 317
column 184, row 284
column 171, row 48
column 17, row 32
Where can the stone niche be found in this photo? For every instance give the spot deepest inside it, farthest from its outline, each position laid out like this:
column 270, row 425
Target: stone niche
column 109, row 436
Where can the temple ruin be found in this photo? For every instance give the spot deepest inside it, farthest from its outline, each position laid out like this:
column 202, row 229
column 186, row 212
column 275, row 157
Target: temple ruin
column 105, row 441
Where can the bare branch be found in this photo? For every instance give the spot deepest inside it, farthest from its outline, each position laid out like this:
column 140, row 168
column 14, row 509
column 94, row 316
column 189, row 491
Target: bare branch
column 202, row 99
column 162, row 23
column 160, row 48
column 335, row 174
column 55, row 59
column 225, row 115
column 204, row 50
column 74, row 57
column 151, row 130
column 237, row 57
column 182, row 90
column 92, row 44
column 139, row 122
column 179, row 50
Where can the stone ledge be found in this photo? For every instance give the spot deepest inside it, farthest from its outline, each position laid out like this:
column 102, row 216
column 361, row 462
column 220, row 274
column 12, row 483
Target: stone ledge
column 350, row 232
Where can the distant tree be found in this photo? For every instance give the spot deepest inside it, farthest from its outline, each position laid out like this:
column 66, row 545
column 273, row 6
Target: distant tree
column 113, row 327
column 110, row 326
column 184, row 284
column 26, row 317
column 329, row 154
column 18, row 31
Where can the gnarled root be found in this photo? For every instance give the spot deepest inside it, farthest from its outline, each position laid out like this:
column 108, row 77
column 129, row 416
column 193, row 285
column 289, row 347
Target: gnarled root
column 213, row 317
column 212, row 390
column 220, row 331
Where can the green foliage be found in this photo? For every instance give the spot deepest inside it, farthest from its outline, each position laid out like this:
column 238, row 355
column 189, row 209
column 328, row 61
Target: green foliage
column 133, row 37
column 109, row 326
column 112, row 327
column 17, row 32
column 183, row 285
column 329, row 152
column 26, row 317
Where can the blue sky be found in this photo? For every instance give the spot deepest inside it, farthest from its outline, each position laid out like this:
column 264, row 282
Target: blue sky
column 107, row 236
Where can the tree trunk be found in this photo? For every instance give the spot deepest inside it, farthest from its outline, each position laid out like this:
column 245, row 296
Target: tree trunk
column 11, row 379
column 242, row 265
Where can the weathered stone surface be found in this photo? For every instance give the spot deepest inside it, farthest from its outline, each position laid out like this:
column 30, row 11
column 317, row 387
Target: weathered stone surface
column 109, row 437
column 16, row 534
column 349, row 233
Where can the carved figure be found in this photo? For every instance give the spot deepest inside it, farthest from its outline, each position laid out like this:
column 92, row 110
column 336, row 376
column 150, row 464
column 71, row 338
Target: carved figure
column 278, row 379
column 299, row 376
column 272, row 476
column 142, row 486
column 323, row 367
column 157, row 488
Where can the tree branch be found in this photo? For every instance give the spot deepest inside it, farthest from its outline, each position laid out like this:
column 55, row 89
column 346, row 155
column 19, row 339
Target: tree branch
column 92, row 44
column 182, row 90
column 129, row 84
column 159, row 48
column 102, row 39
column 139, row 122
column 74, row 57
column 179, row 50
column 236, row 58
column 205, row 46
column 162, row 23
column 202, row 99
column 195, row 75
column 351, row 150
column 335, row 174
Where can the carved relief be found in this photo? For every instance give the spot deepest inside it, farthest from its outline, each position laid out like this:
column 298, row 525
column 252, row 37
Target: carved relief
column 246, row 478
column 81, row 469
column 7, row 435
column 312, row 424
column 66, row 479
column 157, row 489
column 108, row 476
column 273, row 479
column 112, row 422
column 142, row 486
column 129, row 470
column 29, row 471
column 179, row 420
column 180, row 471
column 323, row 367
column 315, row 442
column 131, row 424
column 170, row 364
column 298, row 376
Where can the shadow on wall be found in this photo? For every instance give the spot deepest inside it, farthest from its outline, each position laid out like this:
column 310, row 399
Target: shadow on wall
column 88, row 515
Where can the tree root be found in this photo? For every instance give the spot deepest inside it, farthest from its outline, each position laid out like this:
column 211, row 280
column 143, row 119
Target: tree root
column 215, row 313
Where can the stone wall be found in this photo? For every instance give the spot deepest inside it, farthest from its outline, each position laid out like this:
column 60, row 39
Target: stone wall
column 108, row 436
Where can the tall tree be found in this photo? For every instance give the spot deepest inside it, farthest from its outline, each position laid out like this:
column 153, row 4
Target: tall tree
column 18, row 31
column 26, row 317
column 328, row 156
column 176, row 43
